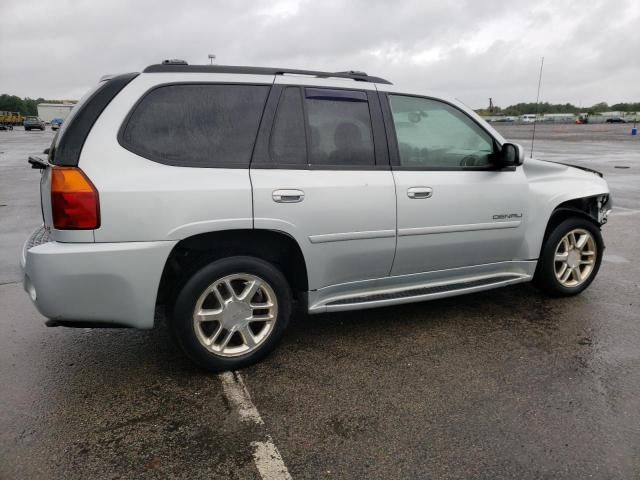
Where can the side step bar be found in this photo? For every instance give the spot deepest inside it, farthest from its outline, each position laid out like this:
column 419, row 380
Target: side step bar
column 385, row 297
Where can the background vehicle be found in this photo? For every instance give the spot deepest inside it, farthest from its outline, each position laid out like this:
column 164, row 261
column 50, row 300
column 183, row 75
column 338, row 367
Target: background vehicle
column 56, row 123
column 503, row 120
column 11, row 118
column 33, row 123
column 49, row 111
column 528, row 118
column 228, row 197
column 615, row 120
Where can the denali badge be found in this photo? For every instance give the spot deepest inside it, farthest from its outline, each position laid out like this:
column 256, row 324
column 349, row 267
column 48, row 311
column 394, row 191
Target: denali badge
column 506, row 216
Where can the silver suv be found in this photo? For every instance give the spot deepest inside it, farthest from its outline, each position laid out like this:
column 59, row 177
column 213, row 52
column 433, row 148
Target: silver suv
column 227, row 195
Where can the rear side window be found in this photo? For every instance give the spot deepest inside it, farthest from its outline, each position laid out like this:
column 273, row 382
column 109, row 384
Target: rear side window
column 196, row 125
column 322, row 127
column 288, row 142
column 339, row 127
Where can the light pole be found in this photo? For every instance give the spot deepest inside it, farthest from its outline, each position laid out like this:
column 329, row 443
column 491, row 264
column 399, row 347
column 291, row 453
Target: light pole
column 212, row 57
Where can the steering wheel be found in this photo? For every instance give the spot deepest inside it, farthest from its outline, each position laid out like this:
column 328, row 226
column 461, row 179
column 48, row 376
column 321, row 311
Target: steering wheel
column 470, row 161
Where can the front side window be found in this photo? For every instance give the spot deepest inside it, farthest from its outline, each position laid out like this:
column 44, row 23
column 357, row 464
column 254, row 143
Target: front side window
column 433, row 134
column 197, row 125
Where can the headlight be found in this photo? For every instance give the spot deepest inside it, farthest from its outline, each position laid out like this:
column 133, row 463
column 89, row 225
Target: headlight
column 605, row 205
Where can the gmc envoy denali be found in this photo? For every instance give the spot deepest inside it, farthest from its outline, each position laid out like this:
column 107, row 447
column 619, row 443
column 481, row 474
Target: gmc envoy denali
column 226, row 195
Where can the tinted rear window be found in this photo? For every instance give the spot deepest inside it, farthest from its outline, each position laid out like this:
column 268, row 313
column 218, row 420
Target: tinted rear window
column 323, row 128
column 288, row 141
column 69, row 140
column 339, row 127
column 196, row 125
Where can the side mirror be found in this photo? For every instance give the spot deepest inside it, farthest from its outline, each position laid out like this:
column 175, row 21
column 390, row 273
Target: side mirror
column 511, row 155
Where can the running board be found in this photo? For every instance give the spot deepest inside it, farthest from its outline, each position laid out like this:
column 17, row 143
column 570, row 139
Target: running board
column 385, row 297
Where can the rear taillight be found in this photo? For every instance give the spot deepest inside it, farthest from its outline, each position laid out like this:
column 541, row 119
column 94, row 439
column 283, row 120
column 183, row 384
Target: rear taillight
column 74, row 200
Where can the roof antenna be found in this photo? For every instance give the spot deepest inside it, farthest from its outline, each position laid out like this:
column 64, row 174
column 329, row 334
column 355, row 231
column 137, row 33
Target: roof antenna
column 535, row 119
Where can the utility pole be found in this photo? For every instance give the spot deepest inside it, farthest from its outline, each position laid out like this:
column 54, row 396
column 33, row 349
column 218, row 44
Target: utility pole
column 212, row 57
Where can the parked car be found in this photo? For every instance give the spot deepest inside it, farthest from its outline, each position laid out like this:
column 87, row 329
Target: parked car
column 225, row 196
column 615, row 120
column 56, row 123
column 33, row 123
column 504, row 120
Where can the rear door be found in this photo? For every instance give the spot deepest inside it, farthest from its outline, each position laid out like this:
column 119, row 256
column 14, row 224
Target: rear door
column 320, row 173
column 455, row 208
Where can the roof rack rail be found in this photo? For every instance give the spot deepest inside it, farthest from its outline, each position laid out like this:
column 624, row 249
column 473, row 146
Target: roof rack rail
column 182, row 66
column 174, row 61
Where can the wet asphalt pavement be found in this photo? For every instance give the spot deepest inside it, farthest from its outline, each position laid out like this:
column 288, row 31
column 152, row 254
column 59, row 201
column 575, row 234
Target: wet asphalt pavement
column 501, row 384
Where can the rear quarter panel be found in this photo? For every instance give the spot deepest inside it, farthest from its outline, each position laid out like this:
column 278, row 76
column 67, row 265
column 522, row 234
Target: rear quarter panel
column 141, row 200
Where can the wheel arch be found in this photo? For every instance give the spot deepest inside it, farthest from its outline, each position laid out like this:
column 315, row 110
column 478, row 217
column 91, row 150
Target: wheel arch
column 191, row 253
column 588, row 208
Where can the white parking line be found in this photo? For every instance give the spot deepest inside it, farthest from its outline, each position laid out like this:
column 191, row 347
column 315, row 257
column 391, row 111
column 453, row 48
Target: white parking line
column 266, row 457
column 236, row 392
column 268, row 461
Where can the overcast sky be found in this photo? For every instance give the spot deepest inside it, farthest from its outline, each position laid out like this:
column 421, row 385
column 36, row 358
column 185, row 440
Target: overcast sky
column 468, row 49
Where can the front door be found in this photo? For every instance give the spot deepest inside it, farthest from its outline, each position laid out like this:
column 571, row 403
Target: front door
column 455, row 208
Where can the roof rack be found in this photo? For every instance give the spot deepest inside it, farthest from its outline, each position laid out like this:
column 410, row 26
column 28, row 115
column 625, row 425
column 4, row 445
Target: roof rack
column 182, row 66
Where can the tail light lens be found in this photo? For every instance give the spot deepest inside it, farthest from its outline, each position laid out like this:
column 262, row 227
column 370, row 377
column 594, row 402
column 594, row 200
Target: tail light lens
column 74, row 200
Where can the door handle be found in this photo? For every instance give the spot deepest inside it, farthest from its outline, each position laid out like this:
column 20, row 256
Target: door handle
column 287, row 196
column 419, row 192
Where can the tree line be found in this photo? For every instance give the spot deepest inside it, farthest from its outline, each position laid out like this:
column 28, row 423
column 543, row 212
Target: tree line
column 26, row 106
column 545, row 107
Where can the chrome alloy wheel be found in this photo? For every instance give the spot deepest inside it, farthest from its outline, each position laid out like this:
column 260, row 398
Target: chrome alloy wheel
column 575, row 258
column 235, row 315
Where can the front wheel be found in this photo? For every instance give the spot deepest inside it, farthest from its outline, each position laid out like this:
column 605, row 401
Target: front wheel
column 231, row 313
column 570, row 258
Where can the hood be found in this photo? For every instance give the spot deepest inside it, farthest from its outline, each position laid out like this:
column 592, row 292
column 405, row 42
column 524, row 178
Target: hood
column 600, row 174
column 563, row 182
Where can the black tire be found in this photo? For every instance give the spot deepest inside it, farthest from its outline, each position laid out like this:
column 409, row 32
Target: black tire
column 182, row 324
column 27, row 129
column 545, row 277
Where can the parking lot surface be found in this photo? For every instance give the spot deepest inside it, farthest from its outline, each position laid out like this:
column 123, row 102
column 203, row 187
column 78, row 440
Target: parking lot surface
column 501, row 384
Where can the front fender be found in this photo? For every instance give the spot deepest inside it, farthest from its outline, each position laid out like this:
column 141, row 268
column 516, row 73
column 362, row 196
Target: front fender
column 551, row 185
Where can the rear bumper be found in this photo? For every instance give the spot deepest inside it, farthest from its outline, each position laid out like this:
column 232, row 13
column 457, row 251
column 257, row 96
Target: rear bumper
column 94, row 283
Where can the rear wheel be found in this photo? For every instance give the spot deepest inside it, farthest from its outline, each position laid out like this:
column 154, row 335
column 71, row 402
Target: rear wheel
column 231, row 313
column 570, row 258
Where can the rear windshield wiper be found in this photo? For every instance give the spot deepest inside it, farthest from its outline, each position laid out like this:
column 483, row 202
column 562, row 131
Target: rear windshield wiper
column 39, row 163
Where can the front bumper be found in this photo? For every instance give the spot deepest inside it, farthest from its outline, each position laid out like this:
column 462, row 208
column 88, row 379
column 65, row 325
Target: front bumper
column 94, row 283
